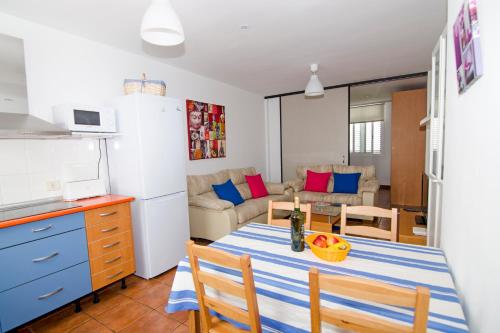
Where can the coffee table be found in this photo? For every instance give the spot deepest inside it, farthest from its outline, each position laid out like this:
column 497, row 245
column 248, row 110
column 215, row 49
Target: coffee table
column 324, row 215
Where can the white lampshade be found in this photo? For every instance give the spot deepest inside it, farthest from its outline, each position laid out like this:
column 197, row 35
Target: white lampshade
column 314, row 86
column 161, row 25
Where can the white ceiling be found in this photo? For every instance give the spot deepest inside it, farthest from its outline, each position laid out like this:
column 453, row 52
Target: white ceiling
column 382, row 92
column 352, row 40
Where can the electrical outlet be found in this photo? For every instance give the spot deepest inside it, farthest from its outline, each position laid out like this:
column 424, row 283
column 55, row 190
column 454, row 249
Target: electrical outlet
column 53, row 185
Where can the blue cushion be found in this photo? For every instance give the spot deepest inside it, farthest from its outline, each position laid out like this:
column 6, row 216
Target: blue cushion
column 229, row 192
column 346, row 182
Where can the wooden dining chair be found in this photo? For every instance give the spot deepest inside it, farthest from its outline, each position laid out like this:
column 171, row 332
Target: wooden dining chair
column 245, row 291
column 288, row 206
column 367, row 290
column 367, row 231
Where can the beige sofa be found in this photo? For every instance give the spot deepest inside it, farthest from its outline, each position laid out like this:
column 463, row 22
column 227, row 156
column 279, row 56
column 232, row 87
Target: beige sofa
column 367, row 188
column 211, row 218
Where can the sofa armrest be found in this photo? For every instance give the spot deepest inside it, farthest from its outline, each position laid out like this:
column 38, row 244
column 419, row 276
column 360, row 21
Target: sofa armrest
column 215, row 204
column 296, row 184
column 369, row 185
column 275, row 188
column 211, row 224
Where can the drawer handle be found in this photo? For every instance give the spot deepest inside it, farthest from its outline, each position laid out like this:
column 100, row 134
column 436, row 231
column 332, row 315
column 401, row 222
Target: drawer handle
column 112, row 260
column 107, row 246
column 52, row 293
column 109, row 229
column 107, row 214
column 114, row 275
column 46, row 258
column 42, row 229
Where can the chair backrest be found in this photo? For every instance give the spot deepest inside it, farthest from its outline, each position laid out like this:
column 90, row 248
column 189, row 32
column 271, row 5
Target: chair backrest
column 368, row 290
column 367, row 231
column 245, row 291
column 279, row 205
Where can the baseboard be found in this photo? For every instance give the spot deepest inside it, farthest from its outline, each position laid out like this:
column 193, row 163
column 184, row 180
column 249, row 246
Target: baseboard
column 385, row 187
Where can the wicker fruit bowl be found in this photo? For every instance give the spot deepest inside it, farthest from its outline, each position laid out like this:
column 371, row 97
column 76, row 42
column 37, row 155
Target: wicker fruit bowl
column 328, row 247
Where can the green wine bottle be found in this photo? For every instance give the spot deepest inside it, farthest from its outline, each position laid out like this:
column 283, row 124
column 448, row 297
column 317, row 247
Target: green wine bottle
column 297, row 227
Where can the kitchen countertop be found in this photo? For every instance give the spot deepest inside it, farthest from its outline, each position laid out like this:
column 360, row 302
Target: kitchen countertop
column 85, row 204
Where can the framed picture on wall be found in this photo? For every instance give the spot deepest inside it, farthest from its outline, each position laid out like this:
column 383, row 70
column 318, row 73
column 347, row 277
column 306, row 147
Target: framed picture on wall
column 206, row 130
column 469, row 65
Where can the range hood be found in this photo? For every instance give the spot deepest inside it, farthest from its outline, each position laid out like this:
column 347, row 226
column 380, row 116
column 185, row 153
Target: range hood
column 25, row 126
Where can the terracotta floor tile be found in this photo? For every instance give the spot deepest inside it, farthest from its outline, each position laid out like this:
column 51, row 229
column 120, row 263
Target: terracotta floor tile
column 180, row 316
column 122, row 315
column 182, row 329
column 108, row 300
column 61, row 321
column 91, row 326
column 151, row 323
column 154, row 296
column 135, row 286
column 167, row 277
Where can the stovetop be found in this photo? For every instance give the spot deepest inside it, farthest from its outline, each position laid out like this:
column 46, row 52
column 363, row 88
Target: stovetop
column 17, row 212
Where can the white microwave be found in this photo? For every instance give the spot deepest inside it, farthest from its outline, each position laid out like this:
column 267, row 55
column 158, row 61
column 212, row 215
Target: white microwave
column 84, row 118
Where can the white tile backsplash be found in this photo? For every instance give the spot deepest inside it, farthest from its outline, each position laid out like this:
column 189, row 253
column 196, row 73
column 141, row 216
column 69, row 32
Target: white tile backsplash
column 40, row 155
column 13, row 157
column 15, row 188
column 28, row 166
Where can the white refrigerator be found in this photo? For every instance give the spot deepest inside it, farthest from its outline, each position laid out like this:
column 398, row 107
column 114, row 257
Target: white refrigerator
column 147, row 160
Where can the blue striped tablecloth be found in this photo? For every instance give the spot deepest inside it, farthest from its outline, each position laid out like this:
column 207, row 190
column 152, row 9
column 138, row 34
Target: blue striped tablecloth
column 281, row 279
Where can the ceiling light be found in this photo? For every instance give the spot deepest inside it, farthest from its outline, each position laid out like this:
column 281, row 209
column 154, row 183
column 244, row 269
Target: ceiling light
column 314, row 86
column 161, row 25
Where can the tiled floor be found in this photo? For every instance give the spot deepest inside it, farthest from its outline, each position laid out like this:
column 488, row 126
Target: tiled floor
column 139, row 308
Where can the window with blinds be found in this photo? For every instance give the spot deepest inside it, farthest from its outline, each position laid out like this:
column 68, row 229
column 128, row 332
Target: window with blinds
column 366, row 137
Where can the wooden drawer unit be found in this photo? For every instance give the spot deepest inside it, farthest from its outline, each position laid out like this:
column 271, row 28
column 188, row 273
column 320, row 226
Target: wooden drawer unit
column 111, row 259
column 107, row 221
column 113, row 274
column 110, row 244
column 111, row 248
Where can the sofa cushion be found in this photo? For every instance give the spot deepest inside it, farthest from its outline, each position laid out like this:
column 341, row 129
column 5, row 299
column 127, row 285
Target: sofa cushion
column 302, row 170
column 275, row 188
column 227, row 191
column 244, row 191
column 310, row 196
column 255, row 207
column 344, row 198
column 367, row 172
column 209, row 203
column 317, row 182
column 238, row 175
column 198, row 184
column 346, row 182
column 339, row 198
column 257, row 186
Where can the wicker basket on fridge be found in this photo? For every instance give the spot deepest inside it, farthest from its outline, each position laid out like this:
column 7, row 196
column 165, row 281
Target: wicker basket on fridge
column 143, row 86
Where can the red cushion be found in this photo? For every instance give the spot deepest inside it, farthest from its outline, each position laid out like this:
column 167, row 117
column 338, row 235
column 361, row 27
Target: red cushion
column 316, row 181
column 257, row 186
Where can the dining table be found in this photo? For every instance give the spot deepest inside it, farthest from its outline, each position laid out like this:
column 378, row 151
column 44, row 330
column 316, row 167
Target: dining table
column 282, row 285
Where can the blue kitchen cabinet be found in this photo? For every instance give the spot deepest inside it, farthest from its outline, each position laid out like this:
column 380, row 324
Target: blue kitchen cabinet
column 44, row 266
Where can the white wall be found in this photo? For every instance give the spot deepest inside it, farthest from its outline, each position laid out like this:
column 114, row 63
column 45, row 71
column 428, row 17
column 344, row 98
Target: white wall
column 314, row 130
column 63, row 68
column 470, row 221
column 382, row 162
column 273, row 139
